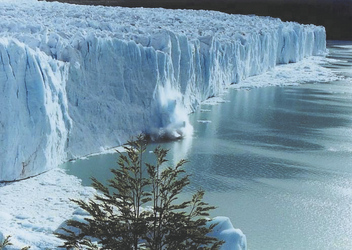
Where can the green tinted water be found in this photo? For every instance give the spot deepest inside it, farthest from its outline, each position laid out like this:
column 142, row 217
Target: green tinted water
column 276, row 160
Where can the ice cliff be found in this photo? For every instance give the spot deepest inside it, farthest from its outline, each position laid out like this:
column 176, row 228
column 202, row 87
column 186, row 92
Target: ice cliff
column 78, row 79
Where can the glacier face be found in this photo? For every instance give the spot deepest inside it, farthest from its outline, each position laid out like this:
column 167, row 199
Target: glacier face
column 34, row 122
column 75, row 80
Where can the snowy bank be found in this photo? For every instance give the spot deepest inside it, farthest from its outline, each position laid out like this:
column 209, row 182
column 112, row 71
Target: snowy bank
column 76, row 80
column 31, row 210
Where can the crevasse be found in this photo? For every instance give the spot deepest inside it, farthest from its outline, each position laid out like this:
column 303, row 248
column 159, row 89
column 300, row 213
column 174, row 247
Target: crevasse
column 76, row 80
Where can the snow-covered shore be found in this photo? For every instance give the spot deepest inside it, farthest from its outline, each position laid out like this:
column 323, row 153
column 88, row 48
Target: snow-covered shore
column 76, row 80
column 31, row 210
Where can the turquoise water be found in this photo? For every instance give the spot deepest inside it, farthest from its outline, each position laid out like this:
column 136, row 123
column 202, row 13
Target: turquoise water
column 276, row 160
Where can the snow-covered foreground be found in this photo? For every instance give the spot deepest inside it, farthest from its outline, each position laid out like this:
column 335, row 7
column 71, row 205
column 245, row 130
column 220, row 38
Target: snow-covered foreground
column 76, row 80
column 31, row 210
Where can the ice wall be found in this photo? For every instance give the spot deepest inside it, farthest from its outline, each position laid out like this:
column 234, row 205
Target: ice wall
column 75, row 80
column 34, row 122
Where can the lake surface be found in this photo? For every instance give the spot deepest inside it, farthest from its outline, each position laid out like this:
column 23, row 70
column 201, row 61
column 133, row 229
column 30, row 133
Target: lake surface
column 276, row 160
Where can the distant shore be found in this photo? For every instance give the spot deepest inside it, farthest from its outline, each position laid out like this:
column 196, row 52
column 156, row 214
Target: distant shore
column 334, row 15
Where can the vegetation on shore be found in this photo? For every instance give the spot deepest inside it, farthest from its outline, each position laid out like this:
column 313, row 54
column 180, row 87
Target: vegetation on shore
column 139, row 208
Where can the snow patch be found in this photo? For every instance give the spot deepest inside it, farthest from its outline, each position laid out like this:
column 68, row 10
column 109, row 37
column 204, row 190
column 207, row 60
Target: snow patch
column 31, row 210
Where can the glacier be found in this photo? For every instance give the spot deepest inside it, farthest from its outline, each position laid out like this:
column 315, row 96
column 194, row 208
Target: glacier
column 76, row 80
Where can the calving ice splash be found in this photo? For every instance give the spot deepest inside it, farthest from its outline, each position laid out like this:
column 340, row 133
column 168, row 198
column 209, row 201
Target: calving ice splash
column 172, row 114
column 75, row 79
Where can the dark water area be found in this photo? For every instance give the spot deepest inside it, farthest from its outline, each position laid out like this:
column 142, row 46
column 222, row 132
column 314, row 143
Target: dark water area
column 276, row 160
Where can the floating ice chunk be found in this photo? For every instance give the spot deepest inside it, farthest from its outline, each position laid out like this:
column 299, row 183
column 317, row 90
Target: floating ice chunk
column 204, row 121
column 224, row 230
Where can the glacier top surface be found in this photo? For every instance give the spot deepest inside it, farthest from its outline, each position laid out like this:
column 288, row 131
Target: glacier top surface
column 33, row 19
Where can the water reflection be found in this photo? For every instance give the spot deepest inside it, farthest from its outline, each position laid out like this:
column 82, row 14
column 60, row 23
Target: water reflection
column 181, row 149
column 276, row 160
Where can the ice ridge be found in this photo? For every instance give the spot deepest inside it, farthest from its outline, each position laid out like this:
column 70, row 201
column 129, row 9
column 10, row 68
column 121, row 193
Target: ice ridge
column 75, row 80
